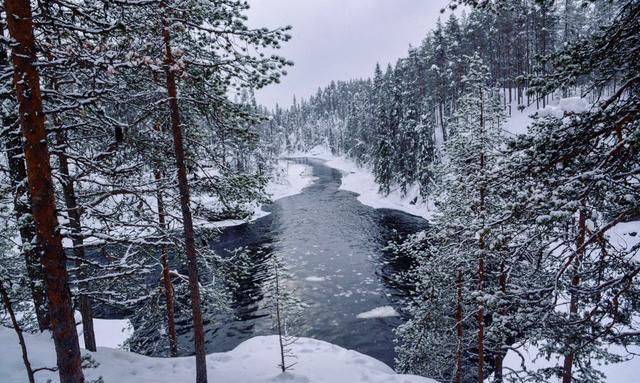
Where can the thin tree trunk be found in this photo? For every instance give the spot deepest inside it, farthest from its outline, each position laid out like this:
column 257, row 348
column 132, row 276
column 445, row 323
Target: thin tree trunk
column 187, row 220
column 444, row 130
column 481, row 246
column 481, row 314
column 43, row 205
column 18, row 330
column 278, row 319
column 75, row 224
column 567, row 374
column 22, row 209
column 500, row 353
column 166, row 277
column 459, row 326
column 481, row 309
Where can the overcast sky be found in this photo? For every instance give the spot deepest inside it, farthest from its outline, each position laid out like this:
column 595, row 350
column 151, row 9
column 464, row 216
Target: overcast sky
column 340, row 39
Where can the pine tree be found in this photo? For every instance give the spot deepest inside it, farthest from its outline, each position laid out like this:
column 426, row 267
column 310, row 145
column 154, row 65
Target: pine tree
column 463, row 234
column 284, row 307
column 12, row 140
column 574, row 176
column 32, row 121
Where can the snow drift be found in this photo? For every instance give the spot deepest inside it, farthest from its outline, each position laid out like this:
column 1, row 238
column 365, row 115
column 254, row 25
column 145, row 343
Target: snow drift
column 254, row 361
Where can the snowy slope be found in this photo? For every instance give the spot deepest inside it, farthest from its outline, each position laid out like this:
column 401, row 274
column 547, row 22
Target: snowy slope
column 518, row 122
column 528, row 357
column 289, row 180
column 254, row 361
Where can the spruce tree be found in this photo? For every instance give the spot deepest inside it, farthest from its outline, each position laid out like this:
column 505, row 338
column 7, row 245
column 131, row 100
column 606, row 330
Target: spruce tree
column 462, row 240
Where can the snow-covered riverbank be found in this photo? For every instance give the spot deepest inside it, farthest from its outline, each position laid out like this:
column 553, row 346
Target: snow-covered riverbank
column 288, row 179
column 254, row 361
column 361, row 180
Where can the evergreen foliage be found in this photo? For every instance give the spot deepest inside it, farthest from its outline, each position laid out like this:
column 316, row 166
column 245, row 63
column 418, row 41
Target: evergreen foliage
column 397, row 121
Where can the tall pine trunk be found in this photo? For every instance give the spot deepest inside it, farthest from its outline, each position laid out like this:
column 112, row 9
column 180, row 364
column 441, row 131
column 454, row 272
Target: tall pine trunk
column 183, row 186
column 22, row 208
column 567, row 374
column 43, row 205
column 166, row 276
column 75, row 225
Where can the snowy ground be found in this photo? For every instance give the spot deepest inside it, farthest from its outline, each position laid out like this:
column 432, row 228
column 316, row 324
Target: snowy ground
column 360, row 180
column 109, row 332
column 518, row 122
column 289, row 180
column 254, row 361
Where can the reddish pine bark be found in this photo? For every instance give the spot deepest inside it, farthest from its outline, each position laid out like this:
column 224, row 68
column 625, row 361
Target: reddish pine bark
column 187, row 220
column 22, row 210
column 32, row 121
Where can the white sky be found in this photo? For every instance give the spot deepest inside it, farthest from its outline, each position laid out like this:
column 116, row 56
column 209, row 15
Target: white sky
column 340, row 39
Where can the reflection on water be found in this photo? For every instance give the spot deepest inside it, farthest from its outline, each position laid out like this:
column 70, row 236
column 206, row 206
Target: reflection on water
column 332, row 245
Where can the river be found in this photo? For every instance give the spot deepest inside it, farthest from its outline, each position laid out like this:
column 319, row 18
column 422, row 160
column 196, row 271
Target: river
column 333, row 247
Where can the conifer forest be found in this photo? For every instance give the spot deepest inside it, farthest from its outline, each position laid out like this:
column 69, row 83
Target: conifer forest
column 468, row 211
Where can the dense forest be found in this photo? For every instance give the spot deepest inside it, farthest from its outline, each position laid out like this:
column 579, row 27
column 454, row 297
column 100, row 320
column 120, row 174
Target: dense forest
column 396, row 121
column 130, row 129
column 519, row 241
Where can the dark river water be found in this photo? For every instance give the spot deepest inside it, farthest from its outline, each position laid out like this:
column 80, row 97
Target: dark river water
column 332, row 246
